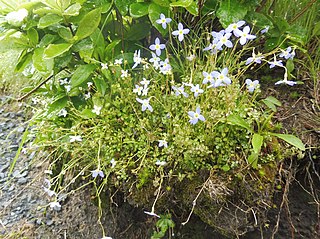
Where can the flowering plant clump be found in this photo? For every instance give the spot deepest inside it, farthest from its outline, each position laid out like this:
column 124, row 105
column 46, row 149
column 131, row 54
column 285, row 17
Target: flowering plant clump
column 138, row 116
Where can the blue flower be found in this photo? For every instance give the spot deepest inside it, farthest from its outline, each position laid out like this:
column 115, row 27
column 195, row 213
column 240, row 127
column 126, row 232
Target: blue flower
column 288, row 82
column 221, row 78
column 180, row 91
column 275, row 62
column 163, row 143
column 145, row 104
column 234, row 27
column 224, row 40
column 208, row 77
column 180, row 32
column 163, row 20
column 287, row 53
column 255, row 58
column 195, row 116
column 252, row 85
column 157, row 46
column 97, row 172
column 155, row 60
column 244, row 35
column 196, row 90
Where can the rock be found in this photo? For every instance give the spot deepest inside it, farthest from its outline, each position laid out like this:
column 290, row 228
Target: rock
column 22, row 180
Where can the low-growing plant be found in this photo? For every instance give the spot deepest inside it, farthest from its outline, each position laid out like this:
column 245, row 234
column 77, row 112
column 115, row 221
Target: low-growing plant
column 146, row 113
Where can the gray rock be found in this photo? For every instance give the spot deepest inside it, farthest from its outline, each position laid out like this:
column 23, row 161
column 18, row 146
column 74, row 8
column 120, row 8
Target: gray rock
column 22, row 180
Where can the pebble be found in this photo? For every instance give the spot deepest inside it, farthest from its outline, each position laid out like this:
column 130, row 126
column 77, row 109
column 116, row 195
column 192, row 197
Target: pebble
column 22, row 180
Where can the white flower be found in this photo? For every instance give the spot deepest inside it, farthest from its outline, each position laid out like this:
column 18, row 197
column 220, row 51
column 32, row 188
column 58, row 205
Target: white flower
column 136, row 59
column 106, row 238
column 252, row 85
column 124, row 73
column 191, row 57
column 64, row 81
column 118, row 61
column 163, row 20
column 288, row 82
column 145, row 82
column 16, row 18
column 196, row 90
column 145, row 104
column 97, row 109
column 87, row 96
column 155, row 60
column 151, row 214
column 75, row 138
column 266, row 29
column 138, row 89
column 89, row 84
column 104, row 66
column 113, row 163
column 161, row 163
column 163, row 143
column 67, row 87
column 55, row 205
column 63, row 112
column 180, row 32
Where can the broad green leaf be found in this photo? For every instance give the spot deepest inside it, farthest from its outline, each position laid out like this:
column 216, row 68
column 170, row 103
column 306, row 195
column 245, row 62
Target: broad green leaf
column 88, row 24
column 193, row 9
column 290, row 65
column 33, row 36
column 58, row 105
column 24, row 59
column 181, row 3
column 261, row 20
column 54, row 50
column 43, row 65
column 298, row 34
column 257, row 141
column 63, row 4
column 101, row 85
column 139, row 9
column 109, row 49
column 237, row 120
column 47, row 39
column 123, row 6
column 162, row 3
column 253, row 160
column 65, row 33
column 291, row 139
column 87, row 114
column 81, row 74
column 272, row 102
column 230, row 12
column 48, row 20
column 72, row 10
column 138, row 31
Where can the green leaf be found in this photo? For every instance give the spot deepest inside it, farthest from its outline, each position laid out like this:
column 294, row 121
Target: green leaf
column 237, row 120
column 230, row 12
column 88, row 114
column 48, row 20
column 290, row 65
column 291, row 139
column 42, row 65
column 54, row 50
column 109, row 49
column 88, row 24
column 101, row 85
column 193, row 9
column 272, row 102
column 316, row 30
column 24, row 59
column 261, row 20
column 162, row 3
column 65, row 33
column 123, row 6
column 181, row 3
column 298, row 34
column 47, row 39
column 139, row 9
column 138, row 31
column 253, row 160
column 81, row 74
column 72, row 10
column 257, row 141
column 33, row 36
column 58, row 105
